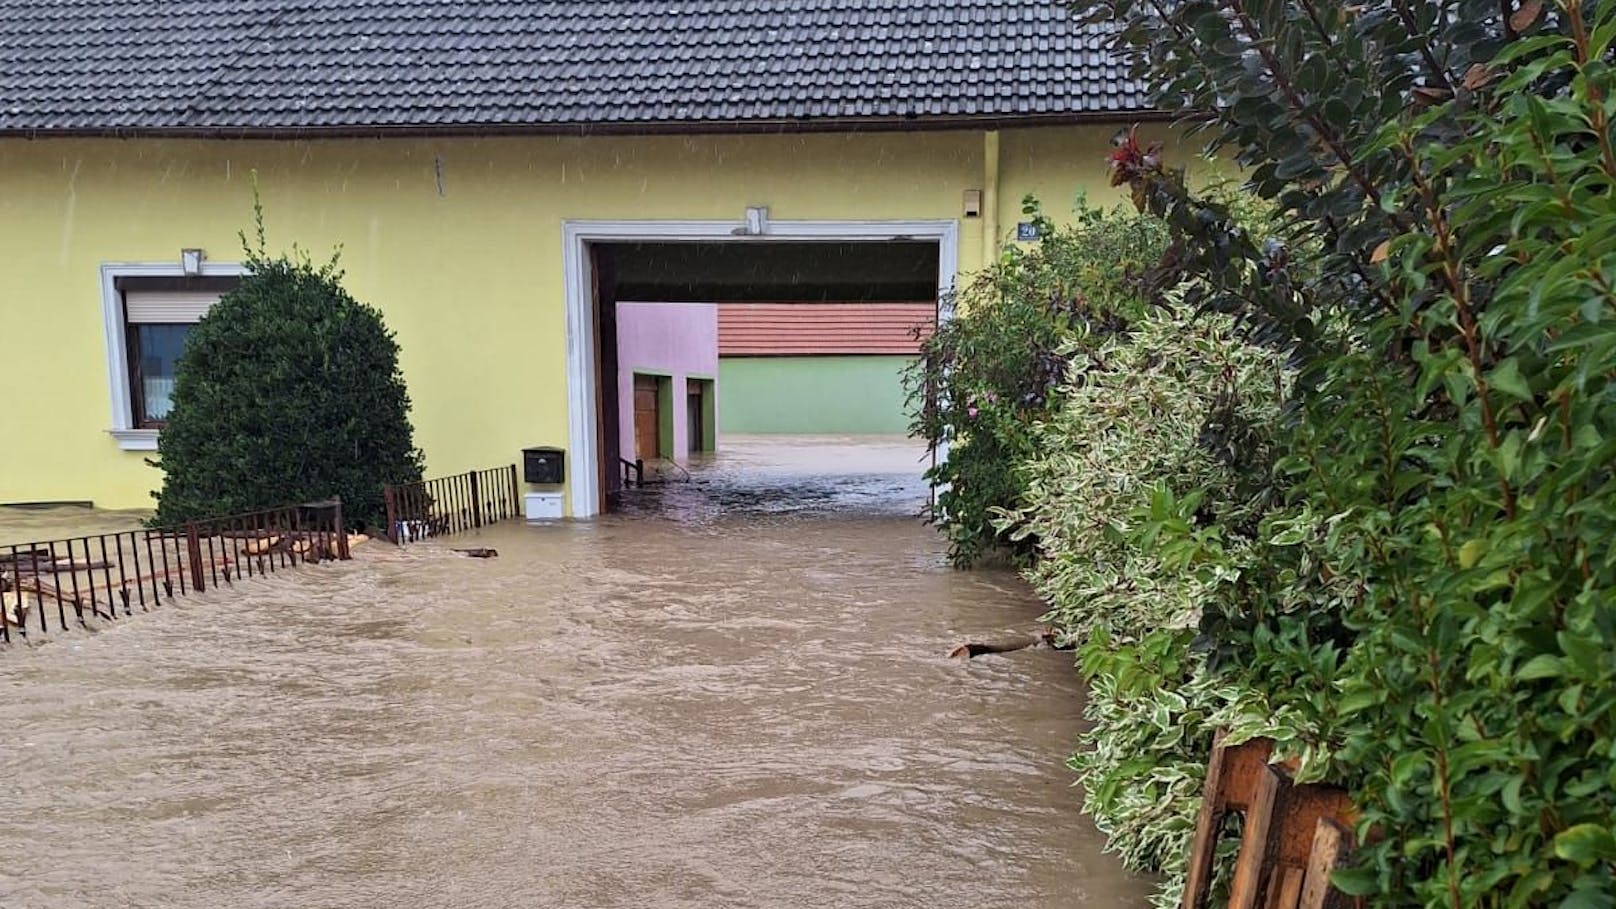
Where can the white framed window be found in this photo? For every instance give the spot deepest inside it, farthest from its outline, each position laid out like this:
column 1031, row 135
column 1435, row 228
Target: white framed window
column 148, row 309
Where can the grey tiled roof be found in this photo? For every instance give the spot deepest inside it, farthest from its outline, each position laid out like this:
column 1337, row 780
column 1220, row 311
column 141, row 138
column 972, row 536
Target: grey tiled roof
column 344, row 65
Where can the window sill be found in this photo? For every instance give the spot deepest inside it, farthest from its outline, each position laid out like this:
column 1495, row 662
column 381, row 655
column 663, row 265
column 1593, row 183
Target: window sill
column 135, row 439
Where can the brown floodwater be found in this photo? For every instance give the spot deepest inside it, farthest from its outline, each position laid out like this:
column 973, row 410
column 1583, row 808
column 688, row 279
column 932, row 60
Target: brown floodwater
column 20, row 524
column 734, row 693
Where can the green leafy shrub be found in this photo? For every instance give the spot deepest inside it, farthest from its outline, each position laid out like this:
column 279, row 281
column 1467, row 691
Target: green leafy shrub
column 1137, row 416
column 1145, row 493
column 1436, row 601
column 986, row 375
column 1142, row 761
column 1133, row 482
column 289, row 390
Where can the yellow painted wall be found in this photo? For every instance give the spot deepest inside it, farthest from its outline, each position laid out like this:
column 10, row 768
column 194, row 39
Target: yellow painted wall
column 1055, row 164
column 467, row 269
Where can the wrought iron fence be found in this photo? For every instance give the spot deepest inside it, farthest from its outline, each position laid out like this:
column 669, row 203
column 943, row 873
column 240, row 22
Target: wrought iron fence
column 109, row 575
column 450, row 505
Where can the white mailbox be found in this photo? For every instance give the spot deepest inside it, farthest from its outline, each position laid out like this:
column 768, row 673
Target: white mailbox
column 543, row 506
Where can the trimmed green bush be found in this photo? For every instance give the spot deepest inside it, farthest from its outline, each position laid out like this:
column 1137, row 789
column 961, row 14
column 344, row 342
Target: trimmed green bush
column 289, row 390
column 1145, row 490
column 1120, row 444
column 987, row 375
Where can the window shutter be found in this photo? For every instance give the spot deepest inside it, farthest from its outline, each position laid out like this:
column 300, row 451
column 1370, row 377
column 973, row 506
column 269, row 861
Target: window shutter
column 166, row 307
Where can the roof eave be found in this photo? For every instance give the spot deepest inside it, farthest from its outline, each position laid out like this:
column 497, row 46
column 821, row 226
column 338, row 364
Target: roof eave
column 640, row 128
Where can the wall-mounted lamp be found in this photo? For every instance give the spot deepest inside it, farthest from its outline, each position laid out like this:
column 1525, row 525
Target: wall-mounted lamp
column 757, row 220
column 191, row 262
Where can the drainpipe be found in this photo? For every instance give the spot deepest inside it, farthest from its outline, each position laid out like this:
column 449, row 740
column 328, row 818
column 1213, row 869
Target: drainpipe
column 990, row 197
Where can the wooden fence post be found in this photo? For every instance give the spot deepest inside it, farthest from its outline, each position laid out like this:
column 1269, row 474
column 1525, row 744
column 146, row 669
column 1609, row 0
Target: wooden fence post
column 476, row 501
column 516, row 495
column 390, row 501
column 342, row 531
column 193, row 555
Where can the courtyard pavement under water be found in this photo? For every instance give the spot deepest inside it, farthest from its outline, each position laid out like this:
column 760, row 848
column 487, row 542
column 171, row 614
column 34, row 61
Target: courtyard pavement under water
column 735, row 692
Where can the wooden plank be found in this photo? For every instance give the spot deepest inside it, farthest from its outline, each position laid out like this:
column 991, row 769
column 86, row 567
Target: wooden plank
column 1332, row 843
column 1278, row 836
column 1232, row 774
column 1289, row 891
column 1202, row 849
column 43, row 589
column 1299, row 816
column 1252, row 865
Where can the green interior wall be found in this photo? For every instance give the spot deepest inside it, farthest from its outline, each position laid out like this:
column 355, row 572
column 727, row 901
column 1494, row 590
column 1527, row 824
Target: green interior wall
column 666, row 414
column 709, row 406
column 812, row 395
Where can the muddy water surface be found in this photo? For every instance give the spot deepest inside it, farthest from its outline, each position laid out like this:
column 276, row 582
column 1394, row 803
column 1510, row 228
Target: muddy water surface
column 733, row 694
column 29, row 524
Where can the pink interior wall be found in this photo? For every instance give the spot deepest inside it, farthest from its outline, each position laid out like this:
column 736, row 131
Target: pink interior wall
column 677, row 339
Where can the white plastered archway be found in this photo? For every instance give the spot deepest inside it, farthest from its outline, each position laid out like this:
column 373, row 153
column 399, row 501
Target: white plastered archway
column 583, row 453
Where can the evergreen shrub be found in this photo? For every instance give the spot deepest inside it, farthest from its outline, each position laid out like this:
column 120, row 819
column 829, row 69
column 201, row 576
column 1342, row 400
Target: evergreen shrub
column 289, row 390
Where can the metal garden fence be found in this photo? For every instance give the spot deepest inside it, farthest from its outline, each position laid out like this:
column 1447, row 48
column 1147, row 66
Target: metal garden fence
column 110, row 575
column 450, row 505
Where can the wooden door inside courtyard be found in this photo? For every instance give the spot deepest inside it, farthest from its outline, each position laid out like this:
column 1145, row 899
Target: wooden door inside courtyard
column 647, row 417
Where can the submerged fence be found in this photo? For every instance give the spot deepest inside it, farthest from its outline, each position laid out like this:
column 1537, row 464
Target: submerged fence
column 108, row 575
column 54, row 583
column 449, row 505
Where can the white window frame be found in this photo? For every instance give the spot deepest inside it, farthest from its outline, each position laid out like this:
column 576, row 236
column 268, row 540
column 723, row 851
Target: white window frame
column 124, row 431
column 576, row 235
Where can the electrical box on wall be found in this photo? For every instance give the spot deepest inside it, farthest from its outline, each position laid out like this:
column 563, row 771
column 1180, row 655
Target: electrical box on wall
column 544, row 466
column 973, row 203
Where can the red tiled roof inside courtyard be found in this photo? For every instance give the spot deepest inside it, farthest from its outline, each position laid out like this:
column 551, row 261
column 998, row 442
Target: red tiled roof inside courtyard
column 796, row 329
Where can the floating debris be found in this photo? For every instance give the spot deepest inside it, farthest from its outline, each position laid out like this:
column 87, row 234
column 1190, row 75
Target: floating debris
column 1045, row 639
